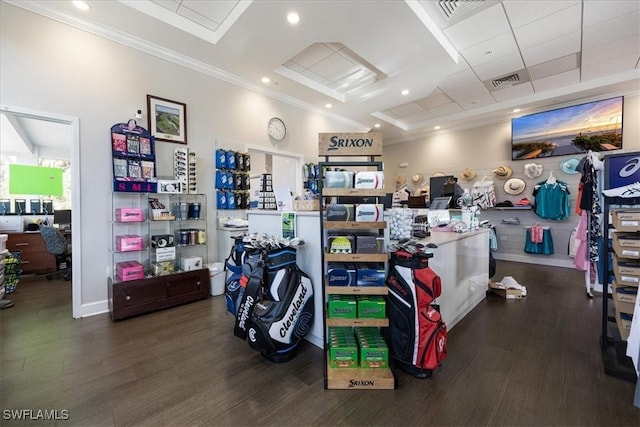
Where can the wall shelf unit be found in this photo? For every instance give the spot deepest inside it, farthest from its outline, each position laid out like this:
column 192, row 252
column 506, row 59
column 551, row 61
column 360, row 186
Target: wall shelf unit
column 159, row 254
column 615, row 318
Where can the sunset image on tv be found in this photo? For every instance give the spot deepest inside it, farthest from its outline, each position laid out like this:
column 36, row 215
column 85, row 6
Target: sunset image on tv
column 595, row 126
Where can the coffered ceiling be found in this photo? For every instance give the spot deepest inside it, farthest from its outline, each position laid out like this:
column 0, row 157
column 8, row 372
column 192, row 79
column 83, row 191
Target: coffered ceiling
column 462, row 63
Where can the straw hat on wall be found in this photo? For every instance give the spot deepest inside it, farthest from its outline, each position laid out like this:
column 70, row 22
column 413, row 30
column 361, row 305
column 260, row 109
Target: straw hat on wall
column 503, row 172
column 468, row 174
column 514, row 186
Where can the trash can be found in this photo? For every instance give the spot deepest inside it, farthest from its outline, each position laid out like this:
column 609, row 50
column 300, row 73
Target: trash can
column 217, row 276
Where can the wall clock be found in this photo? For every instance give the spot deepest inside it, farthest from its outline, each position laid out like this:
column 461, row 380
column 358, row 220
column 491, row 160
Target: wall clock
column 276, row 129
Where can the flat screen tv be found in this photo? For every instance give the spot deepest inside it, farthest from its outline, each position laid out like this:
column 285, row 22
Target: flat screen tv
column 595, row 126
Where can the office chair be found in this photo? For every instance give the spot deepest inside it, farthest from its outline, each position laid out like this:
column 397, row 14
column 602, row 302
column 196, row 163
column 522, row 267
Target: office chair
column 58, row 246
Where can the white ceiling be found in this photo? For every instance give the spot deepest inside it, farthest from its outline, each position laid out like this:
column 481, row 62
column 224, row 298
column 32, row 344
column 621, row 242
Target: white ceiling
column 23, row 137
column 559, row 52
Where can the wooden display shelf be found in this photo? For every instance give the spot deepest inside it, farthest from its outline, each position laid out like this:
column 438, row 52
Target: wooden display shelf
column 360, row 378
column 354, row 225
column 357, row 290
column 360, row 192
column 364, row 323
column 356, row 257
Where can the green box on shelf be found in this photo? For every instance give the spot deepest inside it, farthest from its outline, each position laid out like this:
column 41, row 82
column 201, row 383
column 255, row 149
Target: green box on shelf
column 372, row 307
column 374, row 356
column 342, row 306
column 343, row 348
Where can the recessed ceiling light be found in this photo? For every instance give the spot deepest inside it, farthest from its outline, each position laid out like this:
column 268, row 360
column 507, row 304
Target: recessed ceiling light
column 516, row 110
column 328, row 105
column 436, row 127
column 405, row 92
column 293, row 18
column 266, row 80
column 377, row 125
column 80, row 4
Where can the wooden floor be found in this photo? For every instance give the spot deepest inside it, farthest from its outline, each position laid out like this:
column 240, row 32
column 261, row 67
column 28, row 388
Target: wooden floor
column 530, row 362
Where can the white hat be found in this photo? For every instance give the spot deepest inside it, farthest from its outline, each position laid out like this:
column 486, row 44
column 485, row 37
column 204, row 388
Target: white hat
column 533, row 170
column 438, row 174
column 417, row 178
column 503, row 172
column 514, row 186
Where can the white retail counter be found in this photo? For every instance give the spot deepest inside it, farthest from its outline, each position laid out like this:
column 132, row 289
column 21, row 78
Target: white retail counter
column 461, row 260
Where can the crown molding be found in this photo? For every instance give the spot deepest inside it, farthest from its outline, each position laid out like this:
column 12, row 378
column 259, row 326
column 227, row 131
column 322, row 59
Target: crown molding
column 134, row 42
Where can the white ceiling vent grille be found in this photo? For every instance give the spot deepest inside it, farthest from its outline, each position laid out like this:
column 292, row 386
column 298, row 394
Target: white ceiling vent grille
column 449, row 8
column 507, row 80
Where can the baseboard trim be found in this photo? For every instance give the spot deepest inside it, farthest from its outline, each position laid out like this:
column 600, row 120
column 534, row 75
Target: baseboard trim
column 92, row 309
column 551, row 262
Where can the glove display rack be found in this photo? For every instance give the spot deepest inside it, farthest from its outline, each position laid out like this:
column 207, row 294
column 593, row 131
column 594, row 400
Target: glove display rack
column 620, row 265
column 232, row 179
column 355, row 334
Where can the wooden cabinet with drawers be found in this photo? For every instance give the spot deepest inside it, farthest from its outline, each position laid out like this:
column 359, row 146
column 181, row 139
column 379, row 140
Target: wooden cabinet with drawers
column 135, row 297
column 35, row 258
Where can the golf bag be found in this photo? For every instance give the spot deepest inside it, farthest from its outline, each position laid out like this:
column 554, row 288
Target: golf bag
column 417, row 335
column 275, row 311
column 233, row 273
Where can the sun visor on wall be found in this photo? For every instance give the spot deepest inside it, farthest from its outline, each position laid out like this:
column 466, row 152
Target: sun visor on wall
column 36, row 180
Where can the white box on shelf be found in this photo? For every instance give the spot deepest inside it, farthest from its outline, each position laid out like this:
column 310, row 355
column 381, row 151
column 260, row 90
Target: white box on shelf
column 166, row 254
column 170, row 186
column 192, row 263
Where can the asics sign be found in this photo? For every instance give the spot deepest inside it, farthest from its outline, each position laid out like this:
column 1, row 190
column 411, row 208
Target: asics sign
column 632, row 166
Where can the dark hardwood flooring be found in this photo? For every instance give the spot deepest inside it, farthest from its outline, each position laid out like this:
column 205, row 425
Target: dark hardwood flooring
column 530, row 362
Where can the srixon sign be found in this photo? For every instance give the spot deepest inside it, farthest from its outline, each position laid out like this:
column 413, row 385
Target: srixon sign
column 350, row 144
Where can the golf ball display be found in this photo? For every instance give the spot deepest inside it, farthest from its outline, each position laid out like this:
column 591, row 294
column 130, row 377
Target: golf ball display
column 400, row 224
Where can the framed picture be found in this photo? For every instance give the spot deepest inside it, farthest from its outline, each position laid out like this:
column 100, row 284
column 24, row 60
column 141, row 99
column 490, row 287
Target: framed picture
column 167, row 119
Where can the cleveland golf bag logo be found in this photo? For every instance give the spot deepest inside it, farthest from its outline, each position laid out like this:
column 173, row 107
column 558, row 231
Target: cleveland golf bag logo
column 294, row 309
column 252, row 335
column 244, row 314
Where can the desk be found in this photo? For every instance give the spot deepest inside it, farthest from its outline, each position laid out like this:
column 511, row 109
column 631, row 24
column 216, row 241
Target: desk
column 35, row 258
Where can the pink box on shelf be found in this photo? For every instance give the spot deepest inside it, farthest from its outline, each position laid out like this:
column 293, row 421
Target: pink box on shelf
column 129, row 270
column 129, row 215
column 128, row 243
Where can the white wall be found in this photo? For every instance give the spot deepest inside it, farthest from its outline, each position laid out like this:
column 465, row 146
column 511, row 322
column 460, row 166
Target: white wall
column 484, row 149
column 48, row 66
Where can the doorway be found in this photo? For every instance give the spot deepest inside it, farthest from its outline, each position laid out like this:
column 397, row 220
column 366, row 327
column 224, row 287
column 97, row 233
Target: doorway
column 72, row 143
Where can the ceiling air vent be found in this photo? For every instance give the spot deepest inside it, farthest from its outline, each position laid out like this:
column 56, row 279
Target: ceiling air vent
column 508, row 80
column 458, row 7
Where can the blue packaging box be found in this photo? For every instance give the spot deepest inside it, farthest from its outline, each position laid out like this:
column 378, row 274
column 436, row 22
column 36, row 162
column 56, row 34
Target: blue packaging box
column 341, row 275
column 370, row 275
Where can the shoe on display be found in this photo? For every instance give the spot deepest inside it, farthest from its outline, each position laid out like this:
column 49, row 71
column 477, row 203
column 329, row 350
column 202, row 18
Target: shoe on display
column 626, row 191
column 512, row 220
column 5, row 303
